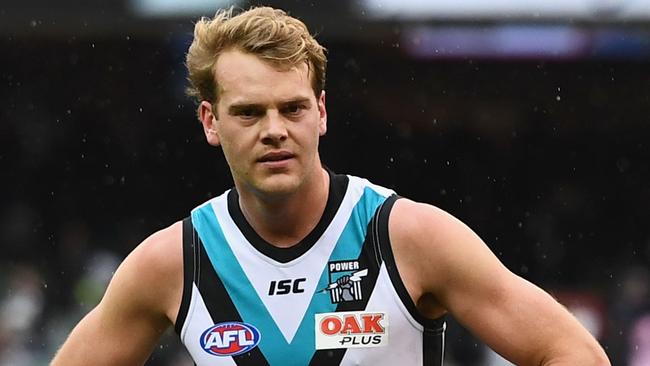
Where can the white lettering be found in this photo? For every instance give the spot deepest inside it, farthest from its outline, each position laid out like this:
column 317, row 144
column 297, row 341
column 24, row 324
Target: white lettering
column 344, row 266
column 223, row 341
column 242, row 339
column 213, row 340
column 229, row 337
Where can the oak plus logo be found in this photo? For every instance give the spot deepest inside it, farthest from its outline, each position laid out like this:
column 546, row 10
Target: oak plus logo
column 351, row 329
column 345, row 278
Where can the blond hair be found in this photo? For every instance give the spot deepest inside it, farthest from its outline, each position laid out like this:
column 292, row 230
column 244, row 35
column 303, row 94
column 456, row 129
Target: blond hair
column 267, row 33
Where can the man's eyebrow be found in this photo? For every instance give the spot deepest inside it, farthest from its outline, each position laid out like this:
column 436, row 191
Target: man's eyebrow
column 238, row 107
column 242, row 106
column 296, row 101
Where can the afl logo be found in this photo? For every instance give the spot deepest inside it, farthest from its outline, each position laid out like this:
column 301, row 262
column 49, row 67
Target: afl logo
column 230, row 339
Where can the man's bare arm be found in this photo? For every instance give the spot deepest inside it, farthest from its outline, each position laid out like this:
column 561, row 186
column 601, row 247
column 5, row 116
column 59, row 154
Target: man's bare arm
column 139, row 305
column 442, row 257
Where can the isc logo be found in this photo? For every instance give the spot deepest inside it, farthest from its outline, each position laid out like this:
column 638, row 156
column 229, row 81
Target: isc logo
column 284, row 287
column 352, row 329
column 230, row 339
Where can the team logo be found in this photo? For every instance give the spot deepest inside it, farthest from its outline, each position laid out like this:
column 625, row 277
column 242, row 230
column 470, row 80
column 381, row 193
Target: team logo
column 345, row 281
column 352, row 329
column 230, row 339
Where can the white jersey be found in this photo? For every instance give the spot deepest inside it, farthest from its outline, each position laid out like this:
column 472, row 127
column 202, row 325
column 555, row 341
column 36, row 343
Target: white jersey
column 335, row 298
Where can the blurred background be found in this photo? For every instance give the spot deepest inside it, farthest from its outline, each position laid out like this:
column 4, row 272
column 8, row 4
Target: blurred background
column 527, row 120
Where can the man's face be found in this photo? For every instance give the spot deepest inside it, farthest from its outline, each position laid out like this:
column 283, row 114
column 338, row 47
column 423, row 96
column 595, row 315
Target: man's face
column 267, row 121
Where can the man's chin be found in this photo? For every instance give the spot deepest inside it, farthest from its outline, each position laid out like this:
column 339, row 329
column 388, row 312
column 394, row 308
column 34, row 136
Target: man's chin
column 278, row 185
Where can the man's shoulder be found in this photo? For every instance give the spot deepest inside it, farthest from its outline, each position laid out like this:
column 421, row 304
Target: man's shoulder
column 153, row 272
column 162, row 251
column 424, row 225
column 158, row 259
column 418, row 215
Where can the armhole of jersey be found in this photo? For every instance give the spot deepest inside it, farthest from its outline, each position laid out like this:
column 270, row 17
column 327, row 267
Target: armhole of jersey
column 431, row 326
column 188, row 273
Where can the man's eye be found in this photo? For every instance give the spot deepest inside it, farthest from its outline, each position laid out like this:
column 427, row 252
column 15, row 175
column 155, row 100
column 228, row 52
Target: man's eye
column 248, row 112
column 293, row 109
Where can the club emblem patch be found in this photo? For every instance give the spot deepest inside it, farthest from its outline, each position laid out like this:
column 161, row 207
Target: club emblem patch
column 345, row 280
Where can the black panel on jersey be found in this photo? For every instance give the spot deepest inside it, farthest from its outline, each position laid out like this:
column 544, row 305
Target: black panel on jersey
column 368, row 258
column 433, row 346
column 189, row 259
column 215, row 296
column 337, row 188
column 434, row 329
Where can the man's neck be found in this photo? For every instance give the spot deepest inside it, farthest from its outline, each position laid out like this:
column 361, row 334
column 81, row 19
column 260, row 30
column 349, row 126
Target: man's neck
column 285, row 222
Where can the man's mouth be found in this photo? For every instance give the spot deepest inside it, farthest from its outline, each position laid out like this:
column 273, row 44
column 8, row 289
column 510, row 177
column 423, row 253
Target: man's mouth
column 275, row 156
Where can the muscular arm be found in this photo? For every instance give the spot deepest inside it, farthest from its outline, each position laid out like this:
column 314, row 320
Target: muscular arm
column 138, row 306
column 438, row 255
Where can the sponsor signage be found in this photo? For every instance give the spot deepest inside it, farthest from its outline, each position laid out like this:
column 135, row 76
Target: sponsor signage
column 352, row 329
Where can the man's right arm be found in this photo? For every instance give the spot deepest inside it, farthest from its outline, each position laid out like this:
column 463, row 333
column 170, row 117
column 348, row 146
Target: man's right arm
column 140, row 303
column 444, row 258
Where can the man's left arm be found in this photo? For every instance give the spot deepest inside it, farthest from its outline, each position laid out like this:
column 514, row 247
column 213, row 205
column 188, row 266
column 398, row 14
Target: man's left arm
column 438, row 255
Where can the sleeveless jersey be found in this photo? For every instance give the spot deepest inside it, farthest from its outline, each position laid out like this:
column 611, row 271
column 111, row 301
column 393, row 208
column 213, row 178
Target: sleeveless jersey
column 335, row 298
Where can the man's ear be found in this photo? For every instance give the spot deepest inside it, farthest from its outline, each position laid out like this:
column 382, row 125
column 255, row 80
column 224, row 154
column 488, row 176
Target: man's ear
column 322, row 111
column 208, row 119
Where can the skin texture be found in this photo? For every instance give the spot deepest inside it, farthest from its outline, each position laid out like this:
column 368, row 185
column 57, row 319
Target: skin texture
column 268, row 122
column 263, row 110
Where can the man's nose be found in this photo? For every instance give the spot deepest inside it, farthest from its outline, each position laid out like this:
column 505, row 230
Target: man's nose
column 274, row 128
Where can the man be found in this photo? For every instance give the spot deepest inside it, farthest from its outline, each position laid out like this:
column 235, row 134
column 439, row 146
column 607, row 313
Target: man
column 300, row 266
